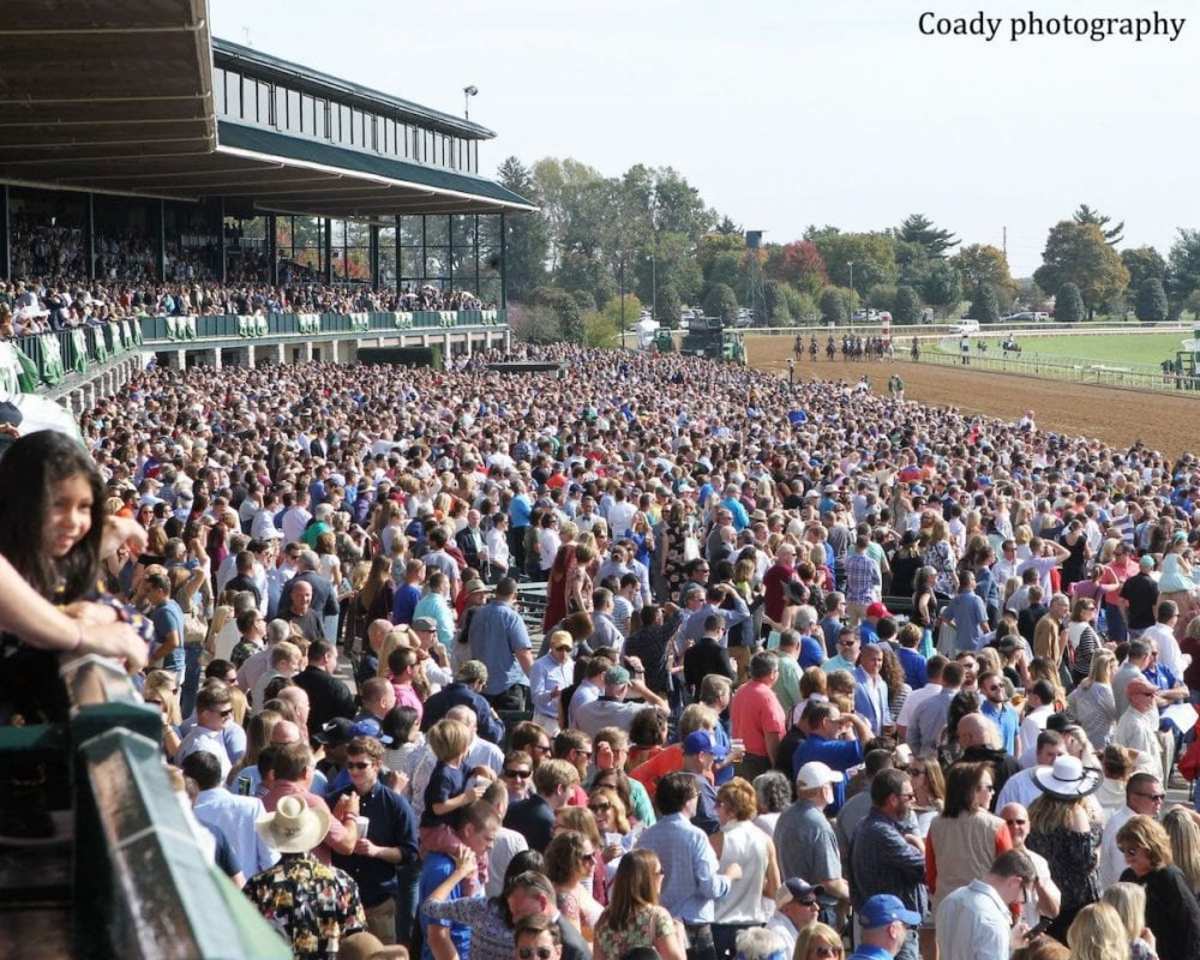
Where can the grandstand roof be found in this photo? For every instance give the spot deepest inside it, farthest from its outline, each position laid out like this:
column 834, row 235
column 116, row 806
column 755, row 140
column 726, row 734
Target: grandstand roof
column 116, row 97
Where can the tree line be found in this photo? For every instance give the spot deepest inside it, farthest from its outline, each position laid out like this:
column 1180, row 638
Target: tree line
column 601, row 249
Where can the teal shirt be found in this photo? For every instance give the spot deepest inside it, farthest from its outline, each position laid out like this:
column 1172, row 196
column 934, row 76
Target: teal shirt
column 434, row 606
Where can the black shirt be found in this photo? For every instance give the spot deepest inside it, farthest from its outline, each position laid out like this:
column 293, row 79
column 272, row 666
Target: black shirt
column 1141, row 592
column 328, row 697
column 1172, row 913
column 706, row 656
column 534, row 818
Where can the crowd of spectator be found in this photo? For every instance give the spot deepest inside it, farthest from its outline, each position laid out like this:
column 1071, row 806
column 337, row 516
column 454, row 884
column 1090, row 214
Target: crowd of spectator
column 36, row 305
column 807, row 666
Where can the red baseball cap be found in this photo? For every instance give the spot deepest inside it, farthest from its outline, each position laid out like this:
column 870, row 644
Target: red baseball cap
column 878, row 610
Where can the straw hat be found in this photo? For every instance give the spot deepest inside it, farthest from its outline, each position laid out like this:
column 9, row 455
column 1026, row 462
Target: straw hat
column 294, row 827
column 1068, row 778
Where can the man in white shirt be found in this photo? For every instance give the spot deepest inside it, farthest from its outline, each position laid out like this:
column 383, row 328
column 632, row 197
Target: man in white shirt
column 262, row 527
column 1046, row 899
column 295, row 516
column 933, row 686
column 973, row 923
column 1163, row 634
column 1143, row 796
column 796, row 906
column 213, row 710
column 612, row 709
column 232, row 816
column 548, row 678
column 1020, row 787
column 1039, row 706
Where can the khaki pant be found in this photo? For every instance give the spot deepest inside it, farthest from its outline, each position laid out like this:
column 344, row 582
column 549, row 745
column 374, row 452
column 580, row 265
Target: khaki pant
column 381, row 921
column 549, row 724
column 856, row 613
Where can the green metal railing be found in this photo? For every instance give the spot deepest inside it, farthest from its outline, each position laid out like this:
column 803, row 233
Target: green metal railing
column 32, row 363
column 140, row 886
column 1079, row 371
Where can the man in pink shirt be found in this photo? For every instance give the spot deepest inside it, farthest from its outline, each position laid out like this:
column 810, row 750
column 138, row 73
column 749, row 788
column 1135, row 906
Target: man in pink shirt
column 402, row 663
column 293, row 769
column 757, row 718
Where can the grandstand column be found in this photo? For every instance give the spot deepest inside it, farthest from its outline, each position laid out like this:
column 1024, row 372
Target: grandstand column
column 89, row 228
column 374, row 255
column 5, row 243
column 469, row 338
column 335, row 351
column 328, row 265
column 308, row 350
column 273, row 248
column 280, row 354
column 503, row 266
column 180, row 359
column 446, row 350
column 508, row 341
column 249, row 356
column 221, row 229
column 216, row 358
column 160, row 260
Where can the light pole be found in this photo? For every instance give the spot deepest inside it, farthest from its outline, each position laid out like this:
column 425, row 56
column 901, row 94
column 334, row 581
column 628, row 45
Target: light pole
column 468, row 93
column 851, row 262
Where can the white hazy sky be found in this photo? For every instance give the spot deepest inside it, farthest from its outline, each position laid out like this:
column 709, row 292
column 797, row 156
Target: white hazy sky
column 790, row 113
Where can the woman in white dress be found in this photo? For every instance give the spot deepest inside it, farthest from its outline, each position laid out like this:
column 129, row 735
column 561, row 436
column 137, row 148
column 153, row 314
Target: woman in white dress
column 740, row 841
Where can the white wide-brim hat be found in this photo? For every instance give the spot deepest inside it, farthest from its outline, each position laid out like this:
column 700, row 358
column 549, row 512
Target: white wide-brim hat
column 294, row 827
column 1068, row 778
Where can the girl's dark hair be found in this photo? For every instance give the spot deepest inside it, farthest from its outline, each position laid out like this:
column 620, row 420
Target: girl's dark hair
column 29, row 472
column 525, row 861
column 398, row 723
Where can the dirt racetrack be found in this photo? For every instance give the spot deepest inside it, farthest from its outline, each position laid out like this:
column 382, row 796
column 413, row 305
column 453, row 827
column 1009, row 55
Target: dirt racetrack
column 1163, row 421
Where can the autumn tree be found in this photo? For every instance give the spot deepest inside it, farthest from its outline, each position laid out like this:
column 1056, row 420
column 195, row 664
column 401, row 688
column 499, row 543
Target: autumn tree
column 983, row 263
column 1078, row 253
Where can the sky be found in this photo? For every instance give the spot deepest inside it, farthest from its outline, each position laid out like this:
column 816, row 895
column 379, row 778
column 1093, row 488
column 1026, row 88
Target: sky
column 785, row 114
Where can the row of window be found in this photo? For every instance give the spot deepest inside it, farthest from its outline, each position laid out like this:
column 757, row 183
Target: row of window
column 291, row 111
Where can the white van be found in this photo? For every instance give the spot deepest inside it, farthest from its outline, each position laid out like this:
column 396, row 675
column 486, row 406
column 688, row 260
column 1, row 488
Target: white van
column 966, row 327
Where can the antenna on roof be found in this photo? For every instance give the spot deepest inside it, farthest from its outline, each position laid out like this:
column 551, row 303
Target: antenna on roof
column 468, row 93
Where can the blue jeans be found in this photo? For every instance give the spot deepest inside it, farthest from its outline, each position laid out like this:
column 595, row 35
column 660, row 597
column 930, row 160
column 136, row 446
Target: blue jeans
column 192, row 653
column 408, row 931
column 1115, row 616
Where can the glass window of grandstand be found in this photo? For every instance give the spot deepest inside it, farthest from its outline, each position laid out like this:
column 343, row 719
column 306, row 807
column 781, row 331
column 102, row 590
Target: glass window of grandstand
column 300, row 245
column 193, row 241
column 246, row 250
column 387, row 257
column 48, row 233
column 489, row 259
column 126, row 231
column 448, row 261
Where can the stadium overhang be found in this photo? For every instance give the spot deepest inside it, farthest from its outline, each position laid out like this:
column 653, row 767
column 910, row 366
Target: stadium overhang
column 116, row 97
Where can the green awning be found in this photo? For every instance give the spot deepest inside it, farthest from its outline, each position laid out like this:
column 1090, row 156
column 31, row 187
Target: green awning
column 282, row 147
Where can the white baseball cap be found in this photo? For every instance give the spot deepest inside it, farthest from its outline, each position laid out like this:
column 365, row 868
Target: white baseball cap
column 816, row 774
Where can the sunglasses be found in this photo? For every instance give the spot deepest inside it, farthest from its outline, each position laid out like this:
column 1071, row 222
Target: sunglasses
column 157, row 703
column 599, row 807
column 588, row 857
column 1015, row 821
column 1130, row 851
column 358, row 765
column 583, row 753
column 808, row 903
column 517, row 774
column 528, row 953
column 1156, row 797
column 227, row 713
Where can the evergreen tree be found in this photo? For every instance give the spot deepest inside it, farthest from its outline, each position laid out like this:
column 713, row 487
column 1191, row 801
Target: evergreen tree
column 1151, row 301
column 721, row 302
column 1113, row 235
column 833, row 306
column 907, row 308
column 917, row 228
column 528, row 238
column 984, row 306
column 1068, row 304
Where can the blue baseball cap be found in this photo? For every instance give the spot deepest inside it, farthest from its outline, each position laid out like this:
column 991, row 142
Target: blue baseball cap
column 701, row 741
column 882, row 909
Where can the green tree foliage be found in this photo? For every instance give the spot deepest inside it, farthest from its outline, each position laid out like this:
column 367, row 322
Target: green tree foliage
column 882, row 296
column 1068, row 304
column 919, row 229
column 565, row 308
column 985, row 306
column 724, row 267
column 913, row 262
column 834, row 306
column 801, row 305
column 1078, row 253
column 1142, row 264
column 534, row 324
column 1151, row 304
column 1086, row 215
column 1183, row 276
column 721, row 302
column 907, row 308
column 727, row 227
column 983, row 263
column 527, row 237
column 873, row 256
column 799, row 263
column 669, row 306
column 633, row 310
column 942, row 288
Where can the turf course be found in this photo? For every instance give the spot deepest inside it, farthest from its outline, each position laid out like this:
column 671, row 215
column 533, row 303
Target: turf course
column 1117, row 349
